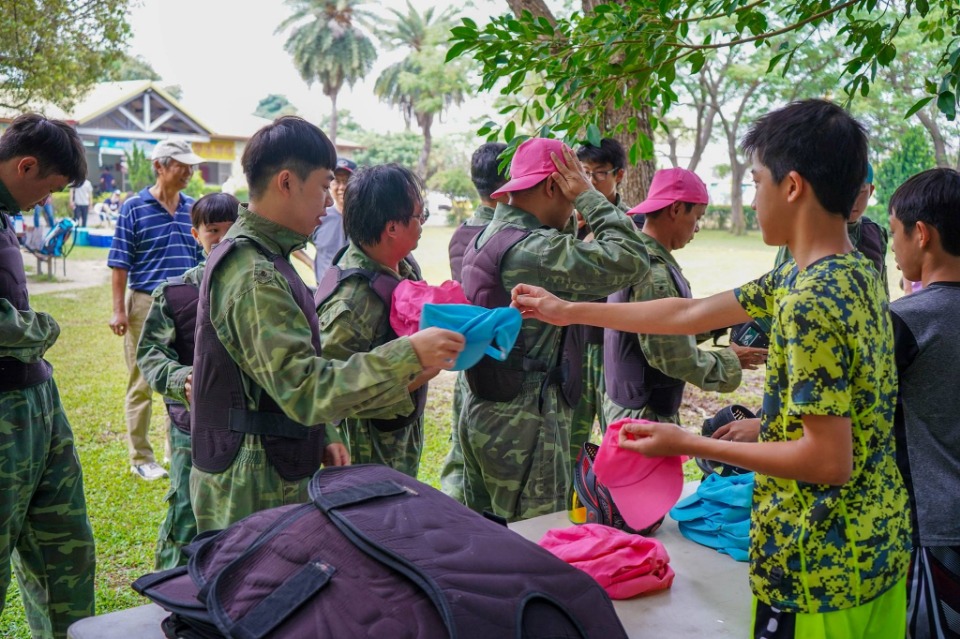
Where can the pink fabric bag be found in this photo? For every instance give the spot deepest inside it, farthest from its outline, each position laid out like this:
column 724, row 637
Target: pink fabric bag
column 624, row 565
column 409, row 298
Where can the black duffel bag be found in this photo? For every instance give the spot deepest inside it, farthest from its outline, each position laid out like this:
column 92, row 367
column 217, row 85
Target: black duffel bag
column 376, row 554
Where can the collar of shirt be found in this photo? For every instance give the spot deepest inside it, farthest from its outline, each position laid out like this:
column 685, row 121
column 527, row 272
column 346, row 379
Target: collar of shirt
column 483, row 212
column 147, row 196
column 274, row 237
column 517, row 217
column 658, row 251
column 354, row 257
column 7, row 203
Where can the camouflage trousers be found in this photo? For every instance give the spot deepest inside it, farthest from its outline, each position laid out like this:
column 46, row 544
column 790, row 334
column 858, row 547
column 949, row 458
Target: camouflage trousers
column 516, row 454
column 451, row 475
column 180, row 525
column 249, row 485
column 613, row 412
column 399, row 449
column 590, row 407
column 44, row 529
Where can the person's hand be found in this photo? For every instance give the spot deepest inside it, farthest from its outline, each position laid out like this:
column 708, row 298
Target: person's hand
column 118, row 323
column 655, row 440
column 750, row 358
column 534, row 302
column 740, row 430
column 188, row 388
column 437, row 347
column 336, row 455
column 570, row 176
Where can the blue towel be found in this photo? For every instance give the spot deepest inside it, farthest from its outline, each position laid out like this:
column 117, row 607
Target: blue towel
column 718, row 514
column 487, row 331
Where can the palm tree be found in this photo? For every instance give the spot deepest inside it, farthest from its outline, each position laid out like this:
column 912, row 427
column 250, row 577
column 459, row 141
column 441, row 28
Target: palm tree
column 421, row 85
column 328, row 47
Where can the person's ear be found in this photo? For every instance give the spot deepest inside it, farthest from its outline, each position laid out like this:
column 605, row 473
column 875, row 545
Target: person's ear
column 26, row 165
column 195, row 233
column 794, row 186
column 282, row 181
column 924, row 233
column 618, row 175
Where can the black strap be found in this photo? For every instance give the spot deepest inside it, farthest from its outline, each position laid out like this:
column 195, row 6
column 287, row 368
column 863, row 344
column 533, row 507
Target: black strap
column 284, row 601
column 359, row 494
column 263, row 423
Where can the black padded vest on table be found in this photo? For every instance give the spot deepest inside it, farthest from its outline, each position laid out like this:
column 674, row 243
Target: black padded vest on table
column 182, row 299
column 497, row 381
column 219, row 417
column 379, row 554
column 383, row 286
column 14, row 374
column 631, row 382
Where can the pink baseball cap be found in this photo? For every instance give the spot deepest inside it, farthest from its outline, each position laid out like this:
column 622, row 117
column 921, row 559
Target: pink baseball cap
column 531, row 164
column 643, row 488
column 673, row 185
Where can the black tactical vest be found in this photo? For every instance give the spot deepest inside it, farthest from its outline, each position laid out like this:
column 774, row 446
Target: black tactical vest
column 14, row 374
column 497, row 381
column 182, row 298
column 631, row 382
column 873, row 243
column 463, row 237
column 220, row 416
column 383, row 285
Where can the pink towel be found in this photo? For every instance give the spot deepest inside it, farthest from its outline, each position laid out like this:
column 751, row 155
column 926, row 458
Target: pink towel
column 409, row 298
column 624, row 565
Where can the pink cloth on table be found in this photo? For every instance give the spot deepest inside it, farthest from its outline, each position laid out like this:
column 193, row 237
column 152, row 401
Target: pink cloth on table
column 624, row 565
column 409, row 298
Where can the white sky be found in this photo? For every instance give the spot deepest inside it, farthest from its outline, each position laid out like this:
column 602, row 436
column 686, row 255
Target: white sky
column 225, row 56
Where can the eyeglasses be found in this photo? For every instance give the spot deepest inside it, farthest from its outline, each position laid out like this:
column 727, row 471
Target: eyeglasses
column 423, row 217
column 600, row 175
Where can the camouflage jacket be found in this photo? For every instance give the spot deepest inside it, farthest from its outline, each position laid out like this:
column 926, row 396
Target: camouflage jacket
column 481, row 217
column 567, row 267
column 24, row 335
column 354, row 320
column 264, row 331
column 678, row 355
column 156, row 355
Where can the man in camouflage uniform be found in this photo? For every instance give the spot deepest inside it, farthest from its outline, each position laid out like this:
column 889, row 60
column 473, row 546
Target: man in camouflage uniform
column 354, row 319
column 671, row 217
column 517, row 452
column 605, row 166
column 487, row 177
column 263, row 327
column 168, row 371
column 44, row 529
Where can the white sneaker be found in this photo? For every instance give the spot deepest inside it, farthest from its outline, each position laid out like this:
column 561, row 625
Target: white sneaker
column 149, row 471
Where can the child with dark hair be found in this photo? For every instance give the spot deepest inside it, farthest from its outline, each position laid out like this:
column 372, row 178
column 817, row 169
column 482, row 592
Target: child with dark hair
column 605, row 166
column 165, row 357
column 925, row 228
column 829, row 533
column 383, row 213
column 257, row 447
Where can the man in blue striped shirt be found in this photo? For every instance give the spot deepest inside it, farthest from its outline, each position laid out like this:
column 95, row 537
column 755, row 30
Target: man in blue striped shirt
column 151, row 244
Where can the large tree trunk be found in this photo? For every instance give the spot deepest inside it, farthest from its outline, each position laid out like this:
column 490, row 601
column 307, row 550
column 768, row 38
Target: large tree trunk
column 637, row 179
column 936, row 136
column 738, row 222
column 332, row 133
column 425, row 120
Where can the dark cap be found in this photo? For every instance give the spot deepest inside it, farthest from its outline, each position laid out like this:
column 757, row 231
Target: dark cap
column 343, row 164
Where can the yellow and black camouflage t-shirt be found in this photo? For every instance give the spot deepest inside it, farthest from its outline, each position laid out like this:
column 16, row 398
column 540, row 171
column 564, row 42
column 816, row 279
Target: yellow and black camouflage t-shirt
column 817, row 548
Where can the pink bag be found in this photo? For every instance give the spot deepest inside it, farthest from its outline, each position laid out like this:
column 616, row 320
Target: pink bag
column 409, row 298
column 624, row 565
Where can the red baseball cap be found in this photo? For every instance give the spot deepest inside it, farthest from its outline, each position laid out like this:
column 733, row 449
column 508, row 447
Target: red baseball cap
column 531, row 164
column 643, row 488
column 673, row 185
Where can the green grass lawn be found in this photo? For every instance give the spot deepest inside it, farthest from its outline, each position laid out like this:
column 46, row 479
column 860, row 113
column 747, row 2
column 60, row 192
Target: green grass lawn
column 126, row 512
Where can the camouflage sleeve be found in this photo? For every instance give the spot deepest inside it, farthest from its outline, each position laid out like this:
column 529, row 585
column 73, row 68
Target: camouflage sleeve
column 274, row 349
column 678, row 355
column 25, row 335
column 757, row 297
column 350, row 321
column 156, row 356
column 576, row 270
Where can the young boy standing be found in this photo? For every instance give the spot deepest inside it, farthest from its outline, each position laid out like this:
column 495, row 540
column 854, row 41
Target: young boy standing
column 925, row 227
column 829, row 530
column 165, row 357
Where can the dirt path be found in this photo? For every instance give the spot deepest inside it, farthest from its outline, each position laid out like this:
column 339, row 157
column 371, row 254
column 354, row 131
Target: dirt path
column 80, row 274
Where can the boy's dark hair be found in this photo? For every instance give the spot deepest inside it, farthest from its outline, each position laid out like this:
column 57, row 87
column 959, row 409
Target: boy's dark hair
column 54, row 143
column 213, row 208
column 931, row 197
column 289, row 143
column 376, row 196
column 485, row 169
column 818, row 140
column 609, row 152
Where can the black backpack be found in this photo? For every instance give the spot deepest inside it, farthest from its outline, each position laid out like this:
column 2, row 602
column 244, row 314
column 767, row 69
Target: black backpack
column 376, row 554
